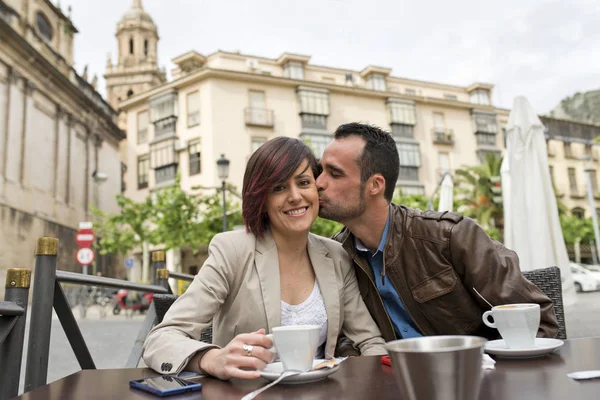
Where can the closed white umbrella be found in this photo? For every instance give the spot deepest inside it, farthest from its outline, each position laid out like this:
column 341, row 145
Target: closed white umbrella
column 446, row 193
column 532, row 228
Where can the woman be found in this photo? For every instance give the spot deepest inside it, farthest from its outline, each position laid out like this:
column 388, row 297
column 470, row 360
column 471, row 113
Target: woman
column 275, row 273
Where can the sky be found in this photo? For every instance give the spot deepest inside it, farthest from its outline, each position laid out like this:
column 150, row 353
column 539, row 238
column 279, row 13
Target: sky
column 545, row 50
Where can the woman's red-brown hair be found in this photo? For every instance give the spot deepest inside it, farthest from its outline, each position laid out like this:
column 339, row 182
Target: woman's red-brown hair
column 274, row 162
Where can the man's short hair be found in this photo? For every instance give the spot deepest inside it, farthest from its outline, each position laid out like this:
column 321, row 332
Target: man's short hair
column 379, row 155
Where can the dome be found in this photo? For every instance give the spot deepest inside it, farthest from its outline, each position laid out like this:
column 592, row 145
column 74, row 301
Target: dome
column 136, row 14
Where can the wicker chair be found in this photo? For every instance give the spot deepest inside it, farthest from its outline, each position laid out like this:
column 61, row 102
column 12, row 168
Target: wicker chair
column 162, row 303
column 549, row 282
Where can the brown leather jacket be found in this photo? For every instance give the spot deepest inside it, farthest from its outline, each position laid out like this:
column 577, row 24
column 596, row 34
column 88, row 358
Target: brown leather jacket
column 434, row 260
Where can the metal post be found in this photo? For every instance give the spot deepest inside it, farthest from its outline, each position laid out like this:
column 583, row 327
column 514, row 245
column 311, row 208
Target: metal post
column 158, row 262
column 41, row 313
column 162, row 278
column 11, row 351
column 590, row 195
column 224, row 209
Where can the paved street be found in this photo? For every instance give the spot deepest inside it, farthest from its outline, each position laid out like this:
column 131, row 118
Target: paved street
column 110, row 340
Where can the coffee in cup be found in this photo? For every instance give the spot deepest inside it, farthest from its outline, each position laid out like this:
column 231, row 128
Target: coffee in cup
column 296, row 346
column 517, row 323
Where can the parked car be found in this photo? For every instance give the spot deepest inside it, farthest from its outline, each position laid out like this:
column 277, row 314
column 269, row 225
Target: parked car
column 592, row 269
column 584, row 280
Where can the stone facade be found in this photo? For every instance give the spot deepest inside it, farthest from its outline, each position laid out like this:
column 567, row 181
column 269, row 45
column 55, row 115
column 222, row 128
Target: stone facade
column 56, row 133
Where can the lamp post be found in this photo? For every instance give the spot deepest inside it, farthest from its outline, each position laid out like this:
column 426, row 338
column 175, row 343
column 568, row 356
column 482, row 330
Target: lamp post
column 223, row 172
column 590, row 196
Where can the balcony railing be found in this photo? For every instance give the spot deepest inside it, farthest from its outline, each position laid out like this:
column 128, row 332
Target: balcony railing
column 486, row 139
column 259, row 117
column 408, row 173
column 443, row 136
column 165, row 127
column 314, row 122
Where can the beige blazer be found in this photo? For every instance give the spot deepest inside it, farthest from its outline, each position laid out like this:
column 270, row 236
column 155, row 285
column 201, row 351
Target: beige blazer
column 238, row 291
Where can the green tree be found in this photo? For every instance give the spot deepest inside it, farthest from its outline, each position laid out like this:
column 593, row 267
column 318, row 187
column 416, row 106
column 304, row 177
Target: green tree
column 576, row 229
column 325, row 227
column 212, row 215
column 474, row 192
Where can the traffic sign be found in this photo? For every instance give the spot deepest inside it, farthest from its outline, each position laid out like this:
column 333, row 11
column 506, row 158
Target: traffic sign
column 129, row 262
column 85, row 237
column 85, row 256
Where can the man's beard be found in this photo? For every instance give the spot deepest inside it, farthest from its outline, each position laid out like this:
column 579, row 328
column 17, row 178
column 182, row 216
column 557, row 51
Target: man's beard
column 343, row 212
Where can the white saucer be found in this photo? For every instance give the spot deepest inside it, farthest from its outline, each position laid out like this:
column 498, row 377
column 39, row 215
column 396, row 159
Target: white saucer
column 542, row 347
column 273, row 370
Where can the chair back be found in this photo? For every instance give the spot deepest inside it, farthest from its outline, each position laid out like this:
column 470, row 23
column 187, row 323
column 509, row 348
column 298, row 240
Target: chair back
column 162, row 303
column 549, row 282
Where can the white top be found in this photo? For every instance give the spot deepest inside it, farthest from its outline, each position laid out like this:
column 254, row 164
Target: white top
column 310, row 312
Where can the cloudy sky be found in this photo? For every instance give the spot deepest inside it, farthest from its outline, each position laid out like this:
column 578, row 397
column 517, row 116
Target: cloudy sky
column 542, row 49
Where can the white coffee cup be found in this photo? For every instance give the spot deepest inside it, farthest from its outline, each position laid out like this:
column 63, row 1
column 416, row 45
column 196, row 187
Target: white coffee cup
column 517, row 323
column 296, row 346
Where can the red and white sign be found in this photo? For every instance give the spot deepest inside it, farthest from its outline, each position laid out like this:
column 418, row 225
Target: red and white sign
column 85, row 237
column 85, row 256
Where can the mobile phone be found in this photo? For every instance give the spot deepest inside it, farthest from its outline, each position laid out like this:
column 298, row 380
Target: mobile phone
column 165, row 385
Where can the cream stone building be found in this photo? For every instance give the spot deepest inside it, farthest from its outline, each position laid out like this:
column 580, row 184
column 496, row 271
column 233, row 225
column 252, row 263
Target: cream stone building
column 231, row 103
column 59, row 142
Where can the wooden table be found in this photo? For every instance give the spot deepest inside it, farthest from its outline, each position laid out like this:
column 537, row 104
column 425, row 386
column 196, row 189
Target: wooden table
column 359, row 378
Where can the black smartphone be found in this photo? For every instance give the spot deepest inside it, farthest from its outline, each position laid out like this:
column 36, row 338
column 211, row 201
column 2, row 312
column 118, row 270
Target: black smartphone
column 165, row 385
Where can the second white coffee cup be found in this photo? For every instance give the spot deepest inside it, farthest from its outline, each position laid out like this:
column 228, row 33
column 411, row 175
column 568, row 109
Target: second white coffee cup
column 296, row 345
column 517, row 323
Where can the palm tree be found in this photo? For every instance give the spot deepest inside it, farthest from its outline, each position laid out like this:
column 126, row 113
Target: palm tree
column 475, row 196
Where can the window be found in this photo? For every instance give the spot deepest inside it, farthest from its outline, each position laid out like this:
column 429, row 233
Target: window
column 314, row 108
column 146, row 47
column 256, row 143
column 143, row 165
column 439, row 124
column 409, row 154
column 257, row 111
column 588, row 150
column 480, row 96
column 578, row 212
column 131, row 46
column 294, row 70
column 402, row 113
column 193, row 109
column 410, row 92
column 486, row 139
column 195, row 164
column 444, row 162
column 485, row 123
column 142, row 127
column 567, row 150
column 316, row 142
column 573, row 182
column 410, row 190
column 405, row 131
column 551, row 170
column 43, row 26
column 450, row 97
column 376, row 82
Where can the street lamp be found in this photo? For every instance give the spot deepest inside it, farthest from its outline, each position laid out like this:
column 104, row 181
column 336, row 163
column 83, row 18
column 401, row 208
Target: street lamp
column 223, row 172
column 590, row 196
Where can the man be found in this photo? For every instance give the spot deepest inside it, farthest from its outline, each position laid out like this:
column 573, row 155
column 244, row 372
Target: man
column 417, row 271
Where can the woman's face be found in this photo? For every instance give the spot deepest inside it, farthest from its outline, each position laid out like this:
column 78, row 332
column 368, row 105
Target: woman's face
column 293, row 205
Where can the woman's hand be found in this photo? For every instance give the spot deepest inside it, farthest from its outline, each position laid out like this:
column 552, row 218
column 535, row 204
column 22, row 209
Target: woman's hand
column 233, row 361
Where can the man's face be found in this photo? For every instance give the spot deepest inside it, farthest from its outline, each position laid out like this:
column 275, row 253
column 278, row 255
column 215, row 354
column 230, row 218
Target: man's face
column 341, row 193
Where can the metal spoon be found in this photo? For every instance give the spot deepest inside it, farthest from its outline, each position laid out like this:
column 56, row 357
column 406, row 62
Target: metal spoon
column 479, row 294
column 284, row 375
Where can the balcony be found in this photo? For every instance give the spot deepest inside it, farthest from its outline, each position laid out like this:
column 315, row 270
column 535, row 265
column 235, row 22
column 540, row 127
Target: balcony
column 259, row 117
column 486, row 139
column 166, row 127
column 408, row 173
column 166, row 174
column 443, row 136
column 314, row 122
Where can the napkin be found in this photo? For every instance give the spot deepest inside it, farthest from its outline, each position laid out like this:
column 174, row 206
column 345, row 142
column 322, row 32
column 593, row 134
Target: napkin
column 487, row 362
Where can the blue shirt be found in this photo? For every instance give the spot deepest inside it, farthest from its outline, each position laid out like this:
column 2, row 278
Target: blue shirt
column 403, row 323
